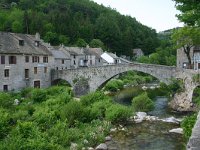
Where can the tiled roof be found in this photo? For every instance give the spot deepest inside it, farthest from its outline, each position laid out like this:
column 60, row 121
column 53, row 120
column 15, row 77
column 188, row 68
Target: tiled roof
column 9, row 44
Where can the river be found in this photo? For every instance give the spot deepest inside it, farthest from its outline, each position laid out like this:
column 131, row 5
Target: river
column 147, row 135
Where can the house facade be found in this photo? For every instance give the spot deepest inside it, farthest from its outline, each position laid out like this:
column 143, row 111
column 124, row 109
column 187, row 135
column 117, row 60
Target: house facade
column 182, row 60
column 110, row 58
column 24, row 62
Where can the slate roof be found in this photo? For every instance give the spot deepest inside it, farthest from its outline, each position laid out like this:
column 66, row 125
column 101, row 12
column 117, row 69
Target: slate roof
column 58, row 54
column 9, row 44
column 94, row 51
column 74, row 50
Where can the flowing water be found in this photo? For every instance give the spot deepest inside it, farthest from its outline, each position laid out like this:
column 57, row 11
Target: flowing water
column 147, row 135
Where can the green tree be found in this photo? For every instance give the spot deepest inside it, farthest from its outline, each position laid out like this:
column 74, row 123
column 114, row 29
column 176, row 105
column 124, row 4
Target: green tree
column 96, row 43
column 189, row 11
column 81, row 43
column 186, row 38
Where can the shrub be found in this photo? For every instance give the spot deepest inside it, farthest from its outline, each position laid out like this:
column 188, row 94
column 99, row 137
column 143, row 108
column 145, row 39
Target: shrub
column 39, row 95
column 118, row 113
column 90, row 98
column 114, row 85
column 142, row 103
column 98, row 109
column 4, row 123
column 73, row 112
column 6, row 100
column 187, row 124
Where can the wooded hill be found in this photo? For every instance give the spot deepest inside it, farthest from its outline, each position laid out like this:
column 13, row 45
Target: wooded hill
column 74, row 22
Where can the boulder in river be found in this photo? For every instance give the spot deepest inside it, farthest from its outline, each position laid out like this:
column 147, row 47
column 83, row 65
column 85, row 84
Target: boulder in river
column 102, row 146
column 177, row 130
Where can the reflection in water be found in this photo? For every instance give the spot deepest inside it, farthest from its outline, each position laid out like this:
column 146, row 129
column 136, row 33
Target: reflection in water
column 147, row 135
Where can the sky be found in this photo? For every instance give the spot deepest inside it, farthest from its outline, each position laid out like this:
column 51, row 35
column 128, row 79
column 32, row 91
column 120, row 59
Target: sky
column 157, row 14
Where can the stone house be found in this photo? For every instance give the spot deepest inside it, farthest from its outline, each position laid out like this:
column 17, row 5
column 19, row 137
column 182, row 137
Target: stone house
column 110, row 58
column 61, row 58
column 77, row 56
column 24, row 62
column 93, row 56
column 137, row 53
column 182, row 60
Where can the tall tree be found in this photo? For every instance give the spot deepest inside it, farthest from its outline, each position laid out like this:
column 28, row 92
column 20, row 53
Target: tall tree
column 186, row 38
column 190, row 11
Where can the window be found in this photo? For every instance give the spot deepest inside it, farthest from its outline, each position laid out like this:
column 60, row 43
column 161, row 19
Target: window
column 45, row 59
column 74, row 62
column 74, row 56
column 35, row 59
column 35, row 70
column 2, row 59
column 26, row 73
column 12, row 60
column 45, row 69
column 37, row 43
column 63, row 61
column 21, row 42
column 6, row 73
column 26, row 59
column 5, row 88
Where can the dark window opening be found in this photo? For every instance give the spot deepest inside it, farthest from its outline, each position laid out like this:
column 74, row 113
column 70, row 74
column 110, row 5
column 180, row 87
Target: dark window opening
column 6, row 73
column 74, row 62
column 63, row 61
column 5, row 88
column 2, row 59
column 35, row 70
column 26, row 59
column 35, row 59
column 36, row 84
column 12, row 59
column 26, row 73
column 21, row 42
column 45, row 59
column 74, row 56
column 37, row 43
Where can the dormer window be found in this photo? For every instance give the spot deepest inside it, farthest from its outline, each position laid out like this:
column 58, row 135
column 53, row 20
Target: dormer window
column 37, row 43
column 21, row 42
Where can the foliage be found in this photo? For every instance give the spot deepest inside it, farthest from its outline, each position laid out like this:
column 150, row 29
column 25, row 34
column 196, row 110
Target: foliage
column 196, row 96
column 196, row 78
column 81, row 43
column 6, row 100
column 118, row 113
column 39, row 95
column 114, row 85
column 187, row 124
column 186, row 38
column 142, row 103
column 97, row 43
column 189, row 12
column 64, row 22
column 93, row 97
column 4, row 123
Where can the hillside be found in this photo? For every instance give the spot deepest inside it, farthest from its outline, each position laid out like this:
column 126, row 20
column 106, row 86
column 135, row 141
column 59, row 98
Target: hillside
column 74, row 21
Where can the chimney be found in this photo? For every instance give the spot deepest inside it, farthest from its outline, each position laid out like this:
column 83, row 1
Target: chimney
column 37, row 36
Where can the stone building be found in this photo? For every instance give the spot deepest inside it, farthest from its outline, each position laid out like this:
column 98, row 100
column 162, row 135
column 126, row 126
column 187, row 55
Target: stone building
column 137, row 53
column 93, row 56
column 24, row 62
column 110, row 58
column 182, row 60
column 62, row 58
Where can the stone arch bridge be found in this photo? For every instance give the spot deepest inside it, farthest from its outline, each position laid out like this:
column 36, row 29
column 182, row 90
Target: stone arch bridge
column 96, row 76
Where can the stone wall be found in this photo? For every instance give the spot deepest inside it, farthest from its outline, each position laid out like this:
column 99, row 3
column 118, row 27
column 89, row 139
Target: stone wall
column 194, row 141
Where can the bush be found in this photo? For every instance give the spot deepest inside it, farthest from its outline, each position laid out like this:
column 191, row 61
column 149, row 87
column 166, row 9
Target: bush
column 39, row 95
column 4, row 123
column 73, row 112
column 114, row 85
column 6, row 100
column 93, row 97
column 98, row 109
column 118, row 113
column 187, row 124
column 142, row 103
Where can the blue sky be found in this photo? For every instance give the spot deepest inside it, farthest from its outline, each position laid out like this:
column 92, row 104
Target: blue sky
column 157, row 14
